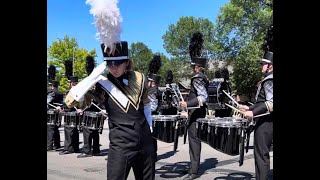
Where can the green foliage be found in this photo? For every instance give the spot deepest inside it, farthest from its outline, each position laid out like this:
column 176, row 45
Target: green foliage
column 240, row 31
column 68, row 49
column 177, row 37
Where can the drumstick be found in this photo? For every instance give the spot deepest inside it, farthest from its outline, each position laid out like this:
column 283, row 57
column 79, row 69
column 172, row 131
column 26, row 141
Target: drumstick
column 52, row 105
column 58, row 104
column 96, row 106
column 233, row 108
column 250, row 103
column 231, row 98
column 261, row 115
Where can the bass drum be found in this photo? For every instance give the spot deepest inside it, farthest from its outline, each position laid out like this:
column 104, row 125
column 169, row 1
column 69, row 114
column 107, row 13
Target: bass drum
column 217, row 98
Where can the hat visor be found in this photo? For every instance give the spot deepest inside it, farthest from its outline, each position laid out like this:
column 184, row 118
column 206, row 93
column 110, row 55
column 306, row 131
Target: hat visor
column 264, row 61
column 116, row 62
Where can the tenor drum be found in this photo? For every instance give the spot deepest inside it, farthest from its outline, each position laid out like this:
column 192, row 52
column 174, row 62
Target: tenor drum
column 217, row 98
column 202, row 129
column 93, row 120
column 164, row 127
column 72, row 118
column 53, row 117
column 225, row 134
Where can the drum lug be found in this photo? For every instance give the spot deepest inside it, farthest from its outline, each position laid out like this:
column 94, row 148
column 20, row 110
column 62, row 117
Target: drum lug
column 202, row 126
column 208, row 129
column 215, row 130
column 164, row 124
column 228, row 131
column 196, row 125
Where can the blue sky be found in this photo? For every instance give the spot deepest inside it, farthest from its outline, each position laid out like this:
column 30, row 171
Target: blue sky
column 143, row 20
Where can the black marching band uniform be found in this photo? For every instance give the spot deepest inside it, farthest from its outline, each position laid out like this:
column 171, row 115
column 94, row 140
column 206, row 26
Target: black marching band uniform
column 125, row 99
column 170, row 109
column 154, row 94
column 196, row 103
column 53, row 96
column 263, row 130
column 91, row 137
column 224, row 74
column 71, row 132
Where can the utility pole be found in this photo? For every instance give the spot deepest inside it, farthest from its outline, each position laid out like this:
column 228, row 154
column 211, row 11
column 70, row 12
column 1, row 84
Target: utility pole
column 73, row 60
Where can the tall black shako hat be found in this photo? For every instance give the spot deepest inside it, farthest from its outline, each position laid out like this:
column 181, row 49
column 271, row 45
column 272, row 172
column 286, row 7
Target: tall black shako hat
column 89, row 64
column 267, row 46
column 68, row 64
column 108, row 22
column 52, row 76
column 118, row 56
column 154, row 67
column 195, row 47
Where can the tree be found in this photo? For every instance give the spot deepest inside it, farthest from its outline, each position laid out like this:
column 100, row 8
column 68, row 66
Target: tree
column 141, row 55
column 67, row 49
column 177, row 37
column 240, row 30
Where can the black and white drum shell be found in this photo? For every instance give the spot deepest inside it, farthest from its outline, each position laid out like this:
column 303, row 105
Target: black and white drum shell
column 164, row 127
column 224, row 135
column 71, row 119
column 202, row 127
column 93, row 120
column 216, row 96
column 53, row 117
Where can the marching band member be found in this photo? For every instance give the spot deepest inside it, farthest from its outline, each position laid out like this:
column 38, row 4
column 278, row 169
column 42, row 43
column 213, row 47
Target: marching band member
column 91, row 146
column 263, row 130
column 124, row 93
column 196, row 102
column 154, row 93
column 223, row 73
column 71, row 133
column 53, row 96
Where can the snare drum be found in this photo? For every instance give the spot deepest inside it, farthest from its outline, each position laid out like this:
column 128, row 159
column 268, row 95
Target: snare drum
column 71, row 119
column 53, row 117
column 92, row 120
column 225, row 134
column 164, row 127
column 202, row 129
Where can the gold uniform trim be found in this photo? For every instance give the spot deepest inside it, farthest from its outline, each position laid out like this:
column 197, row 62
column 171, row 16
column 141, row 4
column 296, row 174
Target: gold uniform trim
column 133, row 91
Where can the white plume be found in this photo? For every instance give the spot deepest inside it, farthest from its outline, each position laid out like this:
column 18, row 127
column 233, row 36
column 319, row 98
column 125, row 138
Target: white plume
column 107, row 20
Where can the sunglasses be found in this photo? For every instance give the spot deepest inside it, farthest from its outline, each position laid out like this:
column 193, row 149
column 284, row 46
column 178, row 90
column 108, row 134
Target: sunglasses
column 116, row 62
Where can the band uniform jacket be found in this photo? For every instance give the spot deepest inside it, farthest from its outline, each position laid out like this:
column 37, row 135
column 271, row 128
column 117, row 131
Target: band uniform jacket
column 124, row 103
column 54, row 96
column 196, row 108
column 264, row 98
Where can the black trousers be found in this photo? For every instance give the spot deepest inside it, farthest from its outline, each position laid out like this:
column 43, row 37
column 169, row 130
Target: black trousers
column 90, row 141
column 194, row 148
column 53, row 136
column 142, row 164
column 263, row 136
column 71, row 142
column 155, row 144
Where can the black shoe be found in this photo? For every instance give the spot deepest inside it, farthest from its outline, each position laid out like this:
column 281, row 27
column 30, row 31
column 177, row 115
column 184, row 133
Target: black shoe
column 56, row 148
column 191, row 176
column 64, row 152
column 49, row 149
column 83, row 155
column 96, row 154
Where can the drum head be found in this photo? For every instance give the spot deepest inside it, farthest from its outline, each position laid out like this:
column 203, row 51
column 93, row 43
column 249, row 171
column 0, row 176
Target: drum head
column 225, row 122
column 91, row 114
column 72, row 113
column 51, row 111
column 165, row 117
